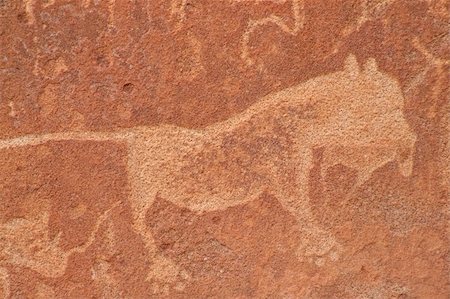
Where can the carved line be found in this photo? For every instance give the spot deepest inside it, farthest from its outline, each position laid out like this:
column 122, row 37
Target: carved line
column 299, row 20
column 29, row 9
column 367, row 15
column 4, row 276
column 179, row 11
column 91, row 239
column 433, row 62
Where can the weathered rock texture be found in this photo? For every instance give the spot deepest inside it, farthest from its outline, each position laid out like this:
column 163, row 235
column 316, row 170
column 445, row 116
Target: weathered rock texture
column 225, row 149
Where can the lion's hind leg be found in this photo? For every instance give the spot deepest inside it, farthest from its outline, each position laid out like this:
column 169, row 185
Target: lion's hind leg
column 145, row 176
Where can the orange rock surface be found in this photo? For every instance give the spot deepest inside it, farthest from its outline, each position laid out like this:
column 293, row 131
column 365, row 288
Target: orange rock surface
column 224, row 149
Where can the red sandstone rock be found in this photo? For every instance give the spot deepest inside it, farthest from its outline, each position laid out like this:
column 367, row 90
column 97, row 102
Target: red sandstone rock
column 224, row 149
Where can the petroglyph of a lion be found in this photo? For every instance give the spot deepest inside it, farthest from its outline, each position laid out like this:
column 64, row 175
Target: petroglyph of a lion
column 355, row 115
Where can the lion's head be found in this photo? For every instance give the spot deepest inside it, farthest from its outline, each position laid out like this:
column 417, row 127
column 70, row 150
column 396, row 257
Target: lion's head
column 360, row 108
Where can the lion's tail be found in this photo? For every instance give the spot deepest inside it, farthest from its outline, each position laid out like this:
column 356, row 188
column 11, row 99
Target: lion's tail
column 28, row 140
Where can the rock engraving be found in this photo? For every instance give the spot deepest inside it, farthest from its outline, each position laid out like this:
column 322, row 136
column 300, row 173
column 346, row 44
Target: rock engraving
column 354, row 115
column 299, row 20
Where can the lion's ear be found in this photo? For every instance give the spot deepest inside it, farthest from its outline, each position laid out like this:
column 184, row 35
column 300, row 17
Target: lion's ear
column 351, row 66
column 371, row 65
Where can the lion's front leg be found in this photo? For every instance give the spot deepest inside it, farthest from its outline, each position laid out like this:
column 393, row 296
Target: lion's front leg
column 316, row 243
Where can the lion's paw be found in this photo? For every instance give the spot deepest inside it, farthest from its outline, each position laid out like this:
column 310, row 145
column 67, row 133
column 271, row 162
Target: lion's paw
column 166, row 275
column 319, row 247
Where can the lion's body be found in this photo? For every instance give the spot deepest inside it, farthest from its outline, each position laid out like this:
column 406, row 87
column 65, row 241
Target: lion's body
column 268, row 147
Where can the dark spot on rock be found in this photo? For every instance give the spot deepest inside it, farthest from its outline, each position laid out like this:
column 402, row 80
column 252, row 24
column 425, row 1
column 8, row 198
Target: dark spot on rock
column 128, row 87
column 21, row 17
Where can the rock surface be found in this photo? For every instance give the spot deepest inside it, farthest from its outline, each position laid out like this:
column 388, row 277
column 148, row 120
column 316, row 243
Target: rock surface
column 224, row 149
